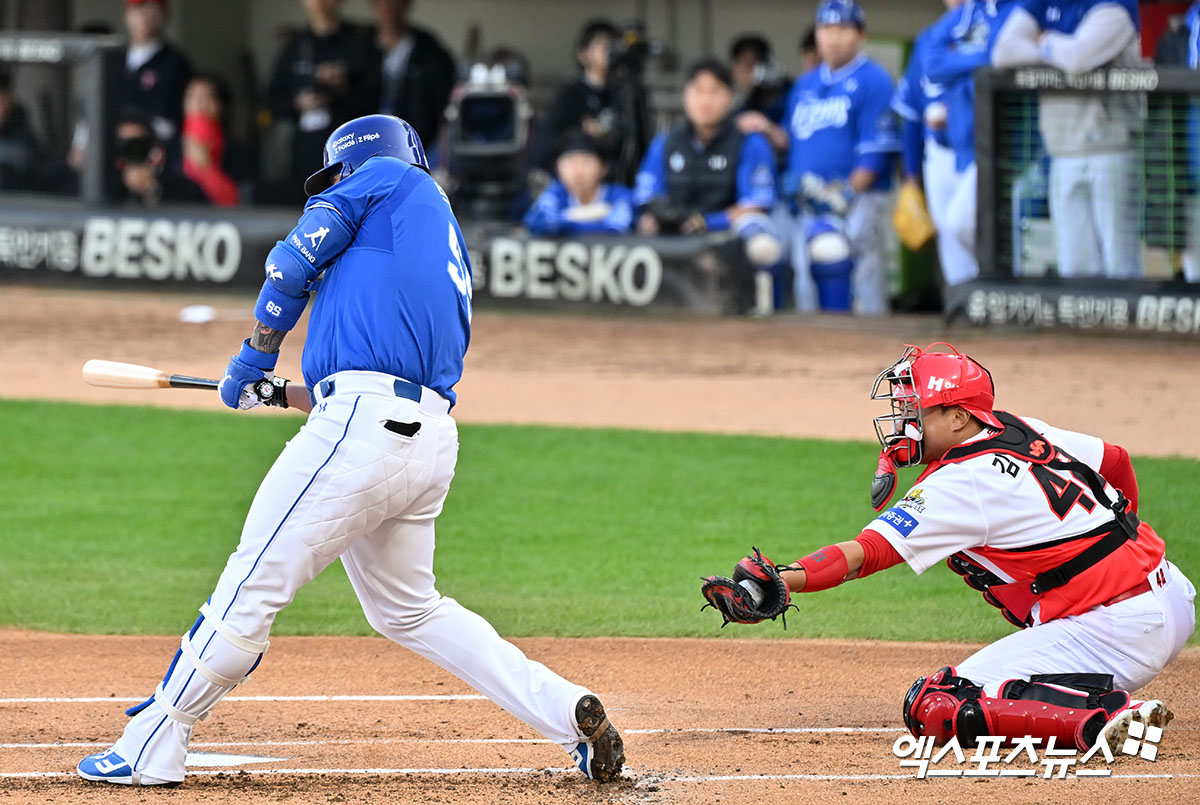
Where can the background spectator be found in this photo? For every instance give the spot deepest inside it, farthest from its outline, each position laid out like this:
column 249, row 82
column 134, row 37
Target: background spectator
column 810, row 59
column 156, row 72
column 705, row 174
column 326, row 74
column 418, row 72
column 205, row 106
column 1095, row 177
column 146, row 177
column 587, row 102
column 20, row 153
column 579, row 201
column 757, row 83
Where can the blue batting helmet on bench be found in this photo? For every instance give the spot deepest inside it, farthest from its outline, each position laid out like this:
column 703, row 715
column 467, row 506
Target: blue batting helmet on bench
column 356, row 141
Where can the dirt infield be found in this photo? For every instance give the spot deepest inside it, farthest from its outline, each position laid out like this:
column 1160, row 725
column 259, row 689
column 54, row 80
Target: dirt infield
column 679, row 709
column 834, row 705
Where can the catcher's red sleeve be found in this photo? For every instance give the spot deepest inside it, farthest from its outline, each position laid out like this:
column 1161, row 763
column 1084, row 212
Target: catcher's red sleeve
column 878, row 553
column 1117, row 469
column 824, row 568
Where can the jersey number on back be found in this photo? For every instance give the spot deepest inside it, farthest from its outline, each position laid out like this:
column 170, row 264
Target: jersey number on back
column 458, row 270
column 1062, row 493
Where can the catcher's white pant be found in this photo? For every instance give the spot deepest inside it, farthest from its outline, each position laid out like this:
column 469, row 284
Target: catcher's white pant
column 864, row 229
column 951, row 195
column 1133, row 640
column 1095, row 204
column 345, row 486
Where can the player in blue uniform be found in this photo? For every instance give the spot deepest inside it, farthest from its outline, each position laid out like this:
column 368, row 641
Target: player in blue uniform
column 842, row 138
column 366, row 476
column 579, row 201
column 958, row 44
column 926, row 156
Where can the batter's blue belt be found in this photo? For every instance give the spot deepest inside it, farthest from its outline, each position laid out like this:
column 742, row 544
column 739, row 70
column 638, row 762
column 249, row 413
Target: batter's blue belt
column 402, row 388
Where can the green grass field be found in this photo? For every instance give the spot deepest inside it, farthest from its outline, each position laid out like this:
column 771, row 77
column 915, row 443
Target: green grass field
column 119, row 519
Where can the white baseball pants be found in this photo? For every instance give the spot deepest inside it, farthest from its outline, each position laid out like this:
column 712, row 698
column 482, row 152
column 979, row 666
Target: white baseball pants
column 345, row 486
column 1133, row 640
column 951, row 195
column 1095, row 203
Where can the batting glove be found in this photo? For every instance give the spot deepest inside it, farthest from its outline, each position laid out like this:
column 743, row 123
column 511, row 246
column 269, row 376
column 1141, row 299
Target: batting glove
column 245, row 369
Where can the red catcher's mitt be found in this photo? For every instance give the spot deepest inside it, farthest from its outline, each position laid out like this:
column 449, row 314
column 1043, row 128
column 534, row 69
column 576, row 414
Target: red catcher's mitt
column 737, row 604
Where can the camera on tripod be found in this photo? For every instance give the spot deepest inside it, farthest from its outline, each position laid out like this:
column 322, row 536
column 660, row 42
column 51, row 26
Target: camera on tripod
column 489, row 129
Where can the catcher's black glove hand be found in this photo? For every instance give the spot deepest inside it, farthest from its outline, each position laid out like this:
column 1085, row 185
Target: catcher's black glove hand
column 737, row 604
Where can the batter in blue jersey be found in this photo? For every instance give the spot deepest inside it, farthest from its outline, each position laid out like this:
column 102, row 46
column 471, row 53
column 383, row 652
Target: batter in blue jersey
column 365, row 478
column 842, row 140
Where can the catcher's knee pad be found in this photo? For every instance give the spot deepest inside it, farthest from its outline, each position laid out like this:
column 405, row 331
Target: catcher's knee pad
column 942, row 706
column 1071, row 708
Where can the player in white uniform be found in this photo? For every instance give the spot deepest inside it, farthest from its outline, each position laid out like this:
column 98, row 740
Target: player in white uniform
column 1043, row 522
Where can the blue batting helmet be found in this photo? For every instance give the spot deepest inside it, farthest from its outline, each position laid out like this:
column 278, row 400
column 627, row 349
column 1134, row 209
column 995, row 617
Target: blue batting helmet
column 841, row 12
column 356, row 141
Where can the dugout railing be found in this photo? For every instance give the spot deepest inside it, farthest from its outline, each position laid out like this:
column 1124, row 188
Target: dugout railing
column 1138, row 130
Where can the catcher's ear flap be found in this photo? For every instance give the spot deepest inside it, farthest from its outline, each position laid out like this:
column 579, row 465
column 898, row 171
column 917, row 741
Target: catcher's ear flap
column 883, row 486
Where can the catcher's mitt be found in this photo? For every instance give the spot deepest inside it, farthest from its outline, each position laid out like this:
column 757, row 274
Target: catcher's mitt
column 738, row 604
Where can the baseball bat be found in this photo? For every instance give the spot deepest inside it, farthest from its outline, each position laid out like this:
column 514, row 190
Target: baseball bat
column 132, row 376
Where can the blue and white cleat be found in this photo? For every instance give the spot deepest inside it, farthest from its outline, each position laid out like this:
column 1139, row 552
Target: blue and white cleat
column 601, row 756
column 109, row 767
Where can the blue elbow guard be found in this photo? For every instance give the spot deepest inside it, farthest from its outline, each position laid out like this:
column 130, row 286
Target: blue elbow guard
column 320, row 236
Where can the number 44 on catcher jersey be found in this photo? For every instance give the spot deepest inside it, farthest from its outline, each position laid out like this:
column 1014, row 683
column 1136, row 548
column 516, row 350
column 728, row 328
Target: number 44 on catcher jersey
column 1017, row 519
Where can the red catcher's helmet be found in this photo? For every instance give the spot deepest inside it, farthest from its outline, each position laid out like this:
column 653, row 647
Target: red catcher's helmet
column 921, row 379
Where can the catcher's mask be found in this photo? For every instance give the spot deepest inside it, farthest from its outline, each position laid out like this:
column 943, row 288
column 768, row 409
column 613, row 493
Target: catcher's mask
column 922, row 379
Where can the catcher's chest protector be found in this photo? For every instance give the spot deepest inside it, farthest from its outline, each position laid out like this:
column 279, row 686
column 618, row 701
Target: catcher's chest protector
column 1016, row 599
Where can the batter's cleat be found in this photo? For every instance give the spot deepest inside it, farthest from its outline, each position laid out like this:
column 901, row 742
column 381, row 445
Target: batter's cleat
column 1151, row 713
column 109, row 767
column 601, row 755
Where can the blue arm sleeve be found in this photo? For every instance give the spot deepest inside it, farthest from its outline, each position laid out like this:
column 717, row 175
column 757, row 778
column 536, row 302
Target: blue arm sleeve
column 946, row 65
column 651, row 180
column 943, row 61
column 717, row 221
column 756, row 173
column 914, row 148
column 321, row 235
column 544, row 217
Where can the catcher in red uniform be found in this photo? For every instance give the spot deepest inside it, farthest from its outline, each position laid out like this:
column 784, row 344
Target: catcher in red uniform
column 1043, row 522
